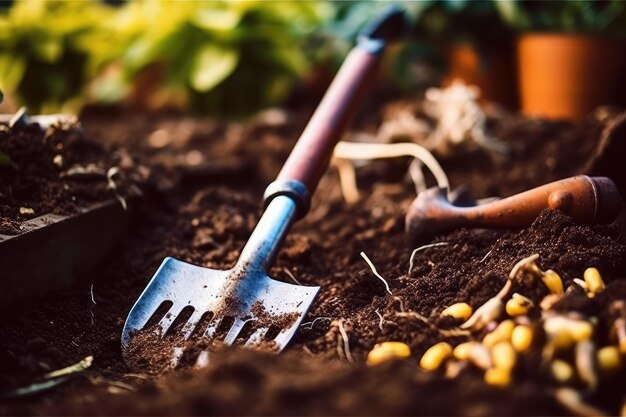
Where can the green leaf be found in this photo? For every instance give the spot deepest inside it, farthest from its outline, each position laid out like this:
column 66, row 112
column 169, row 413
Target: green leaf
column 49, row 49
column 12, row 69
column 212, row 64
column 225, row 19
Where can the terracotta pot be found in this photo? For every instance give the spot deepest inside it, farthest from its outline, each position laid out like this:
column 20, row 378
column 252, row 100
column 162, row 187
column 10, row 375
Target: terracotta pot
column 492, row 70
column 567, row 76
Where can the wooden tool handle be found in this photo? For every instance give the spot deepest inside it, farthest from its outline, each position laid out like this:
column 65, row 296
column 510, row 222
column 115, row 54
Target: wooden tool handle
column 588, row 200
column 311, row 155
column 309, row 159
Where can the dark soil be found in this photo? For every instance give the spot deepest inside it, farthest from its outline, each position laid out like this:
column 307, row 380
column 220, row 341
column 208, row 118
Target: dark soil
column 207, row 179
column 58, row 171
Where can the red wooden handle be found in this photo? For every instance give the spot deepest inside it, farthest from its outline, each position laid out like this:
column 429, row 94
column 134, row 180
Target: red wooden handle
column 310, row 157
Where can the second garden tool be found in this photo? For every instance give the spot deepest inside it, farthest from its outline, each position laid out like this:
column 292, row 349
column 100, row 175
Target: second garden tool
column 588, row 200
column 186, row 305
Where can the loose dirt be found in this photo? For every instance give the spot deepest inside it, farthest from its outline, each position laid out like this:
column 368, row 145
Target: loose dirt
column 202, row 202
column 58, row 170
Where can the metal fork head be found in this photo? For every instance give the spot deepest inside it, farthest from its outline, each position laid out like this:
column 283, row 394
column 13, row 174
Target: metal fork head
column 186, row 310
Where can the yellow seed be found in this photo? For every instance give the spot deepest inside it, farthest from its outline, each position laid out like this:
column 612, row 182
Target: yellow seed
column 608, row 359
column 553, row 281
column 580, row 330
column 498, row 377
column 518, row 305
column 435, row 356
column 594, row 281
column 622, row 346
column 383, row 352
column 504, row 356
column 561, row 371
column 501, row 333
column 522, row 337
column 458, row 311
column 462, row 351
column 565, row 328
column 562, row 340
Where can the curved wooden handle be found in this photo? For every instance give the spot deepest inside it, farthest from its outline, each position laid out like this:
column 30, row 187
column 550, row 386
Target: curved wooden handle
column 310, row 157
column 588, row 200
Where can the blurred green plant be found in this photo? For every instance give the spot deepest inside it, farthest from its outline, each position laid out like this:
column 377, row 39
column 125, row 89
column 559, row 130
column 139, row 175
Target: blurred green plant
column 227, row 57
column 42, row 57
column 578, row 16
column 221, row 57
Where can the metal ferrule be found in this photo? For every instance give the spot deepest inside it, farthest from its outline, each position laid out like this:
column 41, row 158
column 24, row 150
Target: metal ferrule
column 293, row 189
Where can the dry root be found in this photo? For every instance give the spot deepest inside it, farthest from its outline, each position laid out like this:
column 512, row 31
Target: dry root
column 343, row 337
column 352, row 151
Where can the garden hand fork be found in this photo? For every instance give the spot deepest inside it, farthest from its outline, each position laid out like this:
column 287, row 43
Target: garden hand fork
column 244, row 305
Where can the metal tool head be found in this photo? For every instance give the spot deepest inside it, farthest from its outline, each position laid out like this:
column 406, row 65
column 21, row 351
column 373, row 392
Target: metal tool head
column 186, row 310
column 184, row 305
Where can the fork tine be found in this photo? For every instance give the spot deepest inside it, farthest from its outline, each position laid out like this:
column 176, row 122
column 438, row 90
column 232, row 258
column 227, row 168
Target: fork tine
column 212, row 328
column 256, row 337
column 284, row 336
column 169, row 318
column 192, row 322
column 234, row 331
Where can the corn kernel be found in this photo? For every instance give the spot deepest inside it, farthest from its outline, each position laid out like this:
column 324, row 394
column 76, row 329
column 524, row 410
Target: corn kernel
column 383, row 352
column 458, row 311
column 498, row 377
column 522, row 338
column 504, row 355
column 435, row 356
column 553, row 281
column 594, row 281
column 608, row 359
column 501, row 333
column 562, row 340
column 566, row 328
column 518, row 305
column 561, row 371
column 580, row 330
column 462, row 351
column 622, row 346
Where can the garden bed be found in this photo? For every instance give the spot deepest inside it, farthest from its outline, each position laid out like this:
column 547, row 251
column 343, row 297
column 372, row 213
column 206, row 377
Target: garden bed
column 200, row 204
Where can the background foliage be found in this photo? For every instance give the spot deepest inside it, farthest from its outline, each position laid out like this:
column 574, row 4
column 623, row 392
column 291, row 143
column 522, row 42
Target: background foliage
column 213, row 56
column 234, row 57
